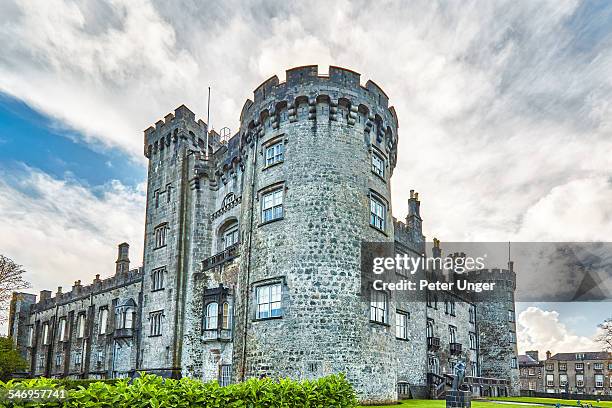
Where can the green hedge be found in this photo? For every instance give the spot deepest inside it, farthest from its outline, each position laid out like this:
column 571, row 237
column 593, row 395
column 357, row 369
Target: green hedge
column 153, row 391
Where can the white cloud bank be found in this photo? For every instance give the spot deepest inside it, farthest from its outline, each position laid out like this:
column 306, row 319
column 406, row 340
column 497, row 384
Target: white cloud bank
column 541, row 330
column 62, row 231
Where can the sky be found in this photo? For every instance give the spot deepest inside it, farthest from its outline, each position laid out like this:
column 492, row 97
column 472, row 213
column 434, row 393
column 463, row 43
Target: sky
column 504, row 111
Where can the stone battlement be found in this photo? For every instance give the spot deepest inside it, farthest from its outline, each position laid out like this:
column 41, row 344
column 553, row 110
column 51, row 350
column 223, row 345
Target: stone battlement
column 79, row 291
column 181, row 124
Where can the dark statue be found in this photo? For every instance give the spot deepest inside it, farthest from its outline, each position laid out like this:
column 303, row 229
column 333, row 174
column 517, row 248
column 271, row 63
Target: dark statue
column 459, row 372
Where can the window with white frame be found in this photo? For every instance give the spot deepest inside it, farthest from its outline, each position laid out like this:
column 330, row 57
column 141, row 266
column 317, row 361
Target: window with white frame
column 531, row 372
column 78, row 358
column 512, row 337
column 452, row 334
column 513, row 363
column 550, row 366
column 81, row 326
column 378, row 164
column 562, row 380
column 100, row 357
column 599, row 380
column 128, row 318
column 579, row 380
column 45, row 333
column 226, row 317
column 532, row 385
column 598, row 366
column 157, row 277
column 212, row 316
column 562, row 366
column 272, row 205
column 401, row 325
column 62, row 329
column 378, row 213
column 430, row 328
column 511, row 316
column 229, row 235
column 434, row 364
column 378, row 307
column 58, row 359
column 225, row 375
column 156, row 322
column 268, row 301
column 579, row 366
column 31, row 336
column 550, row 380
column 274, row 153
column 103, row 322
column 472, row 341
column 160, row 235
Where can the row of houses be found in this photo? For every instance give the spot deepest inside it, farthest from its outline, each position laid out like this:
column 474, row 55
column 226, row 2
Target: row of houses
column 588, row 373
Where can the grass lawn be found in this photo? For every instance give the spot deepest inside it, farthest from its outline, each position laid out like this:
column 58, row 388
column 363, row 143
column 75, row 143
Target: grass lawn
column 483, row 404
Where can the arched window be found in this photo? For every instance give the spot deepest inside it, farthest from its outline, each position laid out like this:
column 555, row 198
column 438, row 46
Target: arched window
column 128, row 318
column 430, row 329
column 212, row 316
column 226, row 317
column 230, row 198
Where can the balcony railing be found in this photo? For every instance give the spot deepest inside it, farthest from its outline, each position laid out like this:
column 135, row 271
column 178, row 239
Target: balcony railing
column 226, row 255
column 433, row 343
column 217, row 334
column 455, row 348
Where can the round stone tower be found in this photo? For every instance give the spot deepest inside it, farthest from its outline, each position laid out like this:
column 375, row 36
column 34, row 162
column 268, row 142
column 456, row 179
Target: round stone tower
column 318, row 153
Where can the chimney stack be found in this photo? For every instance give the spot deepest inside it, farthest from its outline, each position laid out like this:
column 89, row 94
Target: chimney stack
column 548, row 355
column 44, row 295
column 123, row 260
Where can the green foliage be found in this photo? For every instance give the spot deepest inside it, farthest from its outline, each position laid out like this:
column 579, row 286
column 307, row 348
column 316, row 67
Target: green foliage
column 152, row 391
column 10, row 360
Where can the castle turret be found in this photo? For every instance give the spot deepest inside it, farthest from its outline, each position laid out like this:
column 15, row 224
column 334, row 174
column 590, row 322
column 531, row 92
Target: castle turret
column 319, row 152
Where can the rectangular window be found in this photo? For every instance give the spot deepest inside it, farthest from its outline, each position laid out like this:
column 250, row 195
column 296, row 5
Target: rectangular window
column 378, row 212
column 512, row 337
column 401, row 325
column 58, row 359
column 81, row 326
column 532, row 386
column 378, row 165
column 550, row 380
column 472, row 314
column 531, row 372
column 31, row 336
column 473, row 341
column 511, row 316
column 513, row 363
column 225, row 375
column 156, row 322
column 268, row 299
column 160, row 235
column 452, row 334
column 562, row 380
column 599, row 380
column 562, row 366
column 45, row 333
column 78, row 358
column 100, row 357
column 378, row 307
column 579, row 380
column 157, row 276
column 230, row 236
column 579, row 366
column 550, row 366
column 272, row 205
column 62, row 329
column 274, row 154
column 598, row 366
column 103, row 323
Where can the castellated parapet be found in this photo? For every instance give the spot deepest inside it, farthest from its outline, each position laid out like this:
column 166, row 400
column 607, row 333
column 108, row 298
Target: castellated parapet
column 252, row 262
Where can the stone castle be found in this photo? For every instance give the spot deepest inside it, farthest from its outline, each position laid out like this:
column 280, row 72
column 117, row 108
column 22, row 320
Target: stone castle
column 252, row 261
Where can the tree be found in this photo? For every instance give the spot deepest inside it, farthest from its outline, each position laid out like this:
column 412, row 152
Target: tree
column 11, row 279
column 10, row 359
column 605, row 337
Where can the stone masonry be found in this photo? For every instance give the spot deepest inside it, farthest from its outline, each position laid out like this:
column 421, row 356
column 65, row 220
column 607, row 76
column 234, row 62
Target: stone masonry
column 251, row 262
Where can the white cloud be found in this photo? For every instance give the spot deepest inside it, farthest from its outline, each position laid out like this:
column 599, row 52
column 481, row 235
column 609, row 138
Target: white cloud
column 61, row 231
column 541, row 330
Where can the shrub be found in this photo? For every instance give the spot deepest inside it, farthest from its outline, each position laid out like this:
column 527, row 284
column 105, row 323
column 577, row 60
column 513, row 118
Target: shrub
column 152, row 391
